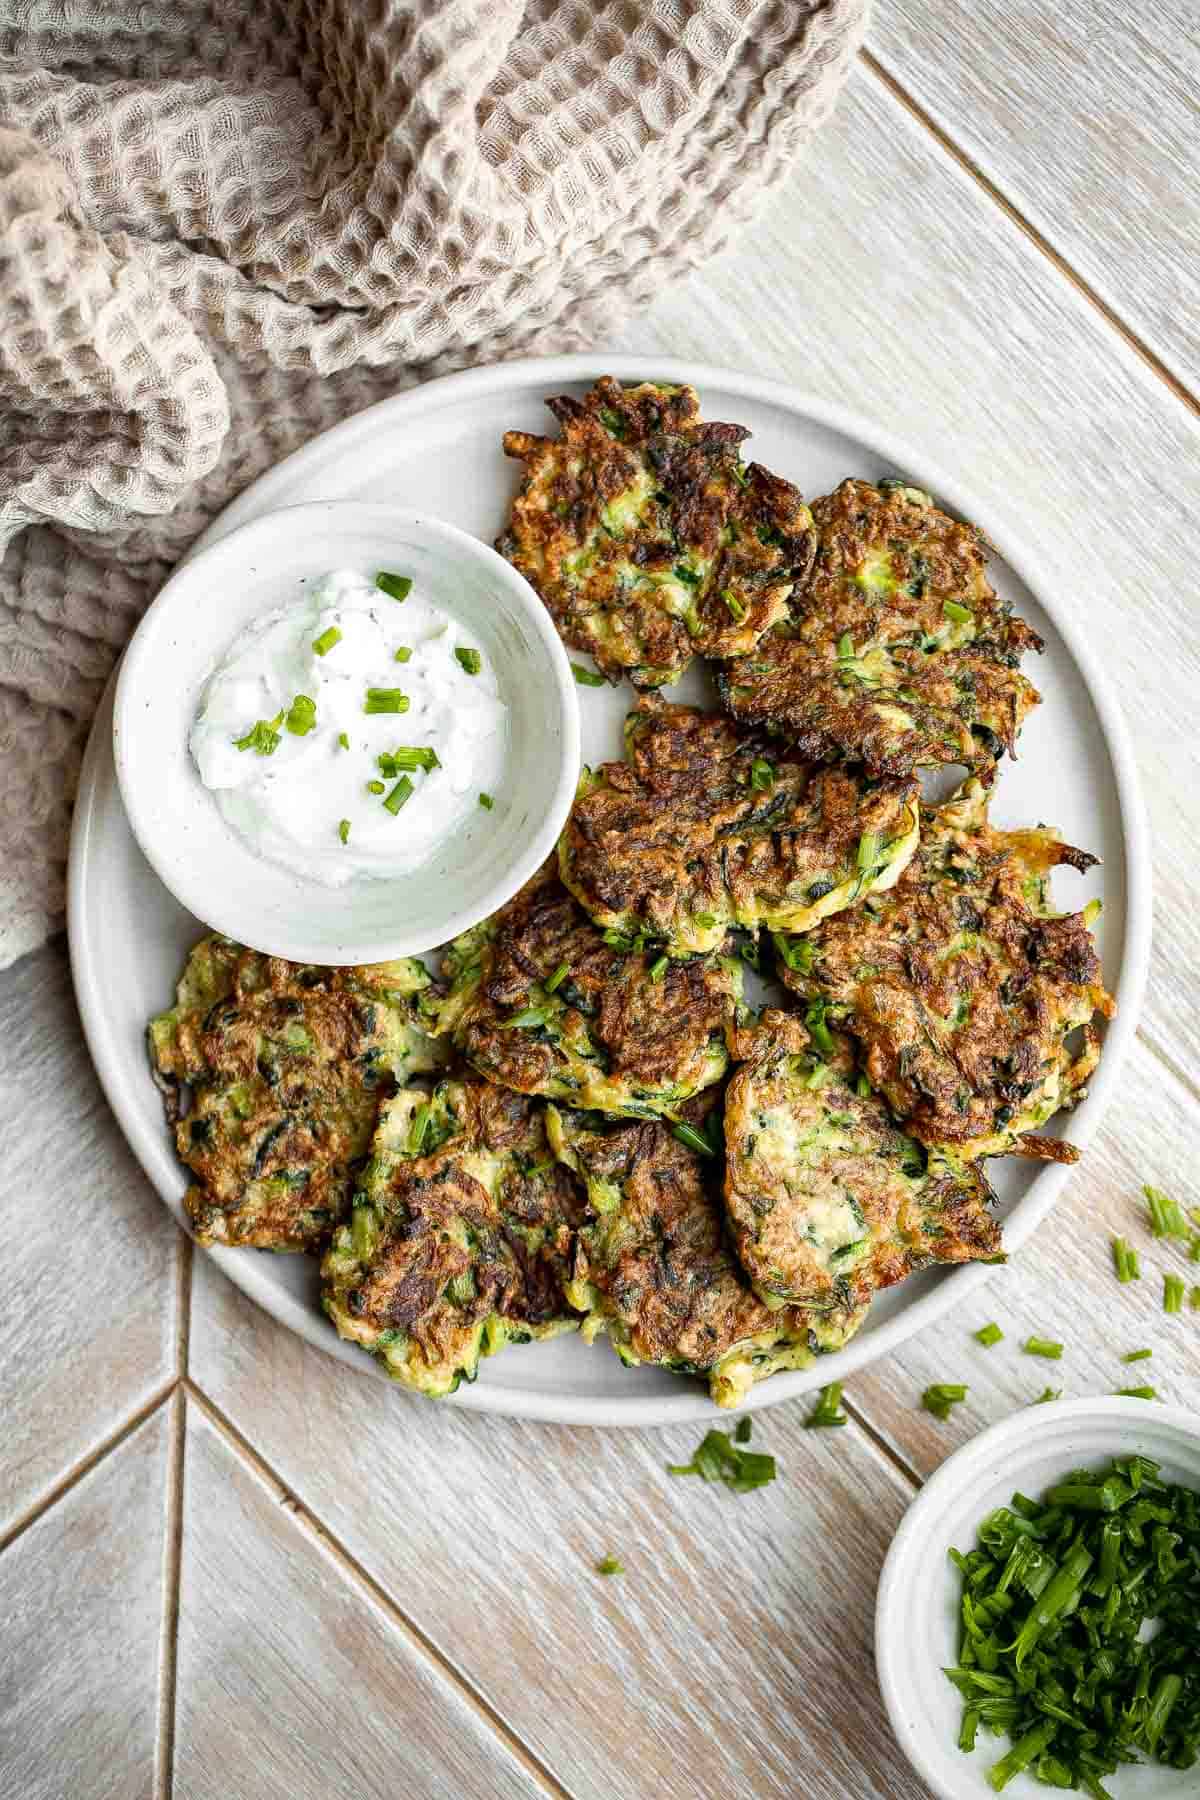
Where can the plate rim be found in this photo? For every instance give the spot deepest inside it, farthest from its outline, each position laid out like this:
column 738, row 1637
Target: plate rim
column 957, row 1284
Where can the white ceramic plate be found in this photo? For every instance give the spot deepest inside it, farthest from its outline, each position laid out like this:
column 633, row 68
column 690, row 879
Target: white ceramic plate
column 917, row 1609
column 436, row 449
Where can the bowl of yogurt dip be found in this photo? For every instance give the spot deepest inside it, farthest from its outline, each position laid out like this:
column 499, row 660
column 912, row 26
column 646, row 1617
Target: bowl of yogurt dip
column 345, row 733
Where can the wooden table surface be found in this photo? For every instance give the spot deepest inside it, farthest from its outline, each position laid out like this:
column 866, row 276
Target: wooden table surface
column 231, row 1566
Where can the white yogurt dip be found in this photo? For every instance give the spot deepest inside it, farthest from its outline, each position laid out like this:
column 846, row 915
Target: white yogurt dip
column 320, row 801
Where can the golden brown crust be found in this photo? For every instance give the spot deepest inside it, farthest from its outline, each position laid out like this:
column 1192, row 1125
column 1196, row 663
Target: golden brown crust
column 827, row 1198
column 705, row 827
column 615, row 1029
column 896, row 652
column 273, row 1084
column 644, row 535
column 963, row 987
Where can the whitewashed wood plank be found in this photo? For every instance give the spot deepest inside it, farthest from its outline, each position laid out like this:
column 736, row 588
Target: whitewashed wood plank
column 1087, row 116
column 1062, row 1287
column 884, row 278
column 733, row 1656
column 292, row 1682
column 82, row 1606
column 87, row 1328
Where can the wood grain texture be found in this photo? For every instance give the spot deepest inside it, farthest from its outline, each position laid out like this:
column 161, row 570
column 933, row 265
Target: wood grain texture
column 81, row 1604
column 1087, row 116
column 292, row 1685
column 87, row 1329
column 732, row 1644
column 1062, row 1287
column 885, row 279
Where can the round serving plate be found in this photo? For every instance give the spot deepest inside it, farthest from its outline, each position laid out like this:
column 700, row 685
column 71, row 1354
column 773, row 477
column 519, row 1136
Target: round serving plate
column 436, row 449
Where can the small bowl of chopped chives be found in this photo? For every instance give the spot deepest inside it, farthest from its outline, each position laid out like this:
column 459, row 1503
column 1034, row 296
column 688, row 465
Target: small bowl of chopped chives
column 1037, row 1625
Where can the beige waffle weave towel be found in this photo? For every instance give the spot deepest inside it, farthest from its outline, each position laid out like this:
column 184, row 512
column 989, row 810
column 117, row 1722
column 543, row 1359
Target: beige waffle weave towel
column 227, row 224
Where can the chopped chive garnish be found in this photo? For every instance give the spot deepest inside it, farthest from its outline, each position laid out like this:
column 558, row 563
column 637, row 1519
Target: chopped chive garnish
column 718, row 1458
column 328, row 638
column 468, row 660
column 1036, row 1346
column 762, row 775
column 402, row 654
column 828, row 1410
column 1052, row 1648
column 684, row 574
column 301, row 715
column 386, row 700
column 1139, row 1393
column 1047, row 1394
column 399, row 796
column 939, row 1398
column 343, row 740
column 529, row 1015
column 1136, row 1355
column 406, row 759
column 486, row 801
column 957, row 614
column 376, row 787
column 987, row 1335
column 1125, row 1260
column 585, row 677
column 1166, row 1215
column 396, row 587
column 737, row 610
column 556, row 980
column 742, row 1433
column 705, row 920
column 1194, row 1298
column 694, row 1140
column 608, row 1565
column 344, row 830
column 1173, row 1291
column 418, row 1127
column 658, row 968
column 845, row 647
column 262, row 737
column 868, row 850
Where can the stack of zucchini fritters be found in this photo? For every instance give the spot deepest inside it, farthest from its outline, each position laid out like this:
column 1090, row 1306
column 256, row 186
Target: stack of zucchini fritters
column 580, row 1125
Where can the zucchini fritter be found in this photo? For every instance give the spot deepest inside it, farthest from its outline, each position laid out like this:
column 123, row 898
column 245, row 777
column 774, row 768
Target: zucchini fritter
column 827, row 1197
column 284, row 1066
column 645, row 536
column 964, row 987
column 703, row 828
column 543, row 1002
column 897, row 651
column 459, row 1239
column 652, row 1269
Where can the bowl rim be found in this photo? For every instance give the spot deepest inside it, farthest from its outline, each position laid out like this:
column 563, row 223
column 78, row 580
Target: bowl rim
column 954, row 1478
column 191, row 886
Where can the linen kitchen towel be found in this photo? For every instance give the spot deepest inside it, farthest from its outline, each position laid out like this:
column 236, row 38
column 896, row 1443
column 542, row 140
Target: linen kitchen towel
column 224, row 227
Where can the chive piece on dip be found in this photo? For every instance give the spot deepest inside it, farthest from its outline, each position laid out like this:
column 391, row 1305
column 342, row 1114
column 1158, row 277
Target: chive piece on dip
column 400, row 795
column 396, row 587
column 468, row 660
column 385, row 700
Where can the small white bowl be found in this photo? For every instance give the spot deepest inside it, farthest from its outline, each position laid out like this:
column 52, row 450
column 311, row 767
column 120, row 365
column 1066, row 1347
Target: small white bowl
column 916, row 1611
column 196, row 617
